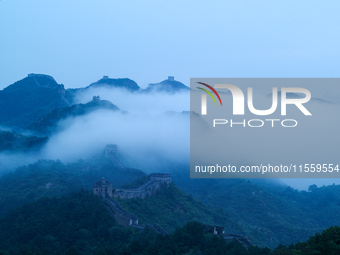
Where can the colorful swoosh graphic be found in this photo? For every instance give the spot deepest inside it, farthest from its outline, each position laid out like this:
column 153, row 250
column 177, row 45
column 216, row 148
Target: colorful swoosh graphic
column 213, row 90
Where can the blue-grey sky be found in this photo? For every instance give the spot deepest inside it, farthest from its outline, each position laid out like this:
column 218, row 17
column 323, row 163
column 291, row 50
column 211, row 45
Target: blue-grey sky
column 77, row 42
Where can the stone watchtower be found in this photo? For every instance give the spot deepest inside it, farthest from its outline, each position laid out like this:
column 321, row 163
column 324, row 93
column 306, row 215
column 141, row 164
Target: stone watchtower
column 103, row 188
column 96, row 98
column 111, row 151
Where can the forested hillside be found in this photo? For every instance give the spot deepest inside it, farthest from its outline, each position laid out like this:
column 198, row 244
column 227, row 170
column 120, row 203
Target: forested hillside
column 47, row 178
column 15, row 142
column 270, row 214
column 80, row 224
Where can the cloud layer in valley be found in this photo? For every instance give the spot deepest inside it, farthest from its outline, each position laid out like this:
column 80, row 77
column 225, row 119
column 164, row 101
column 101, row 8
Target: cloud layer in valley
column 149, row 130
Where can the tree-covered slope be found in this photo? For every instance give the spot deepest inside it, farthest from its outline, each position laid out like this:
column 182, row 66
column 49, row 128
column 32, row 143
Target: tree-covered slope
column 80, row 224
column 77, row 223
column 267, row 218
column 12, row 141
column 172, row 208
column 316, row 202
column 48, row 178
column 192, row 239
column 325, row 243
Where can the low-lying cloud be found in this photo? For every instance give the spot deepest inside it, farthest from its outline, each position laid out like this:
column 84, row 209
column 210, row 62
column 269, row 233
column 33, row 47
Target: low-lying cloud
column 138, row 102
column 142, row 139
column 155, row 131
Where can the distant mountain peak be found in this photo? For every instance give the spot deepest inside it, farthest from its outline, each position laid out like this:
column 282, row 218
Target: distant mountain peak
column 118, row 83
column 44, row 80
column 168, row 85
column 33, row 81
column 291, row 95
column 37, row 75
column 31, row 98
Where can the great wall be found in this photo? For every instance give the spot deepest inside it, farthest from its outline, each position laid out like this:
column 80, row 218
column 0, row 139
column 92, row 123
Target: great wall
column 104, row 189
column 156, row 182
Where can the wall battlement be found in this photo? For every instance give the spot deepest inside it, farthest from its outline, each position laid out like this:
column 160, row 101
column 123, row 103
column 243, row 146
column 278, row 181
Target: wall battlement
column 103, row 188
column 157, row 181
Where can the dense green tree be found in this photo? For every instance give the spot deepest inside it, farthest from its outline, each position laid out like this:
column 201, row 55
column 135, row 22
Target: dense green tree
column 80, row 224
column 172, row 208
column 50, row 178
column 312, row 188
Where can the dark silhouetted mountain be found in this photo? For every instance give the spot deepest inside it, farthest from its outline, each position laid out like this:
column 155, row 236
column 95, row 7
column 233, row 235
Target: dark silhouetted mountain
column 169, row 85
column 48, row 122
column 12, row 141
column 198, row 122
column 31, row 98
column 118, row 83
column 291, row 95
column 107, row 82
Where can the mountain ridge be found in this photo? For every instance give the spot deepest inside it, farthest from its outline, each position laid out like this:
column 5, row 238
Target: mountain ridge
column 31, row 98
column 47, row 123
